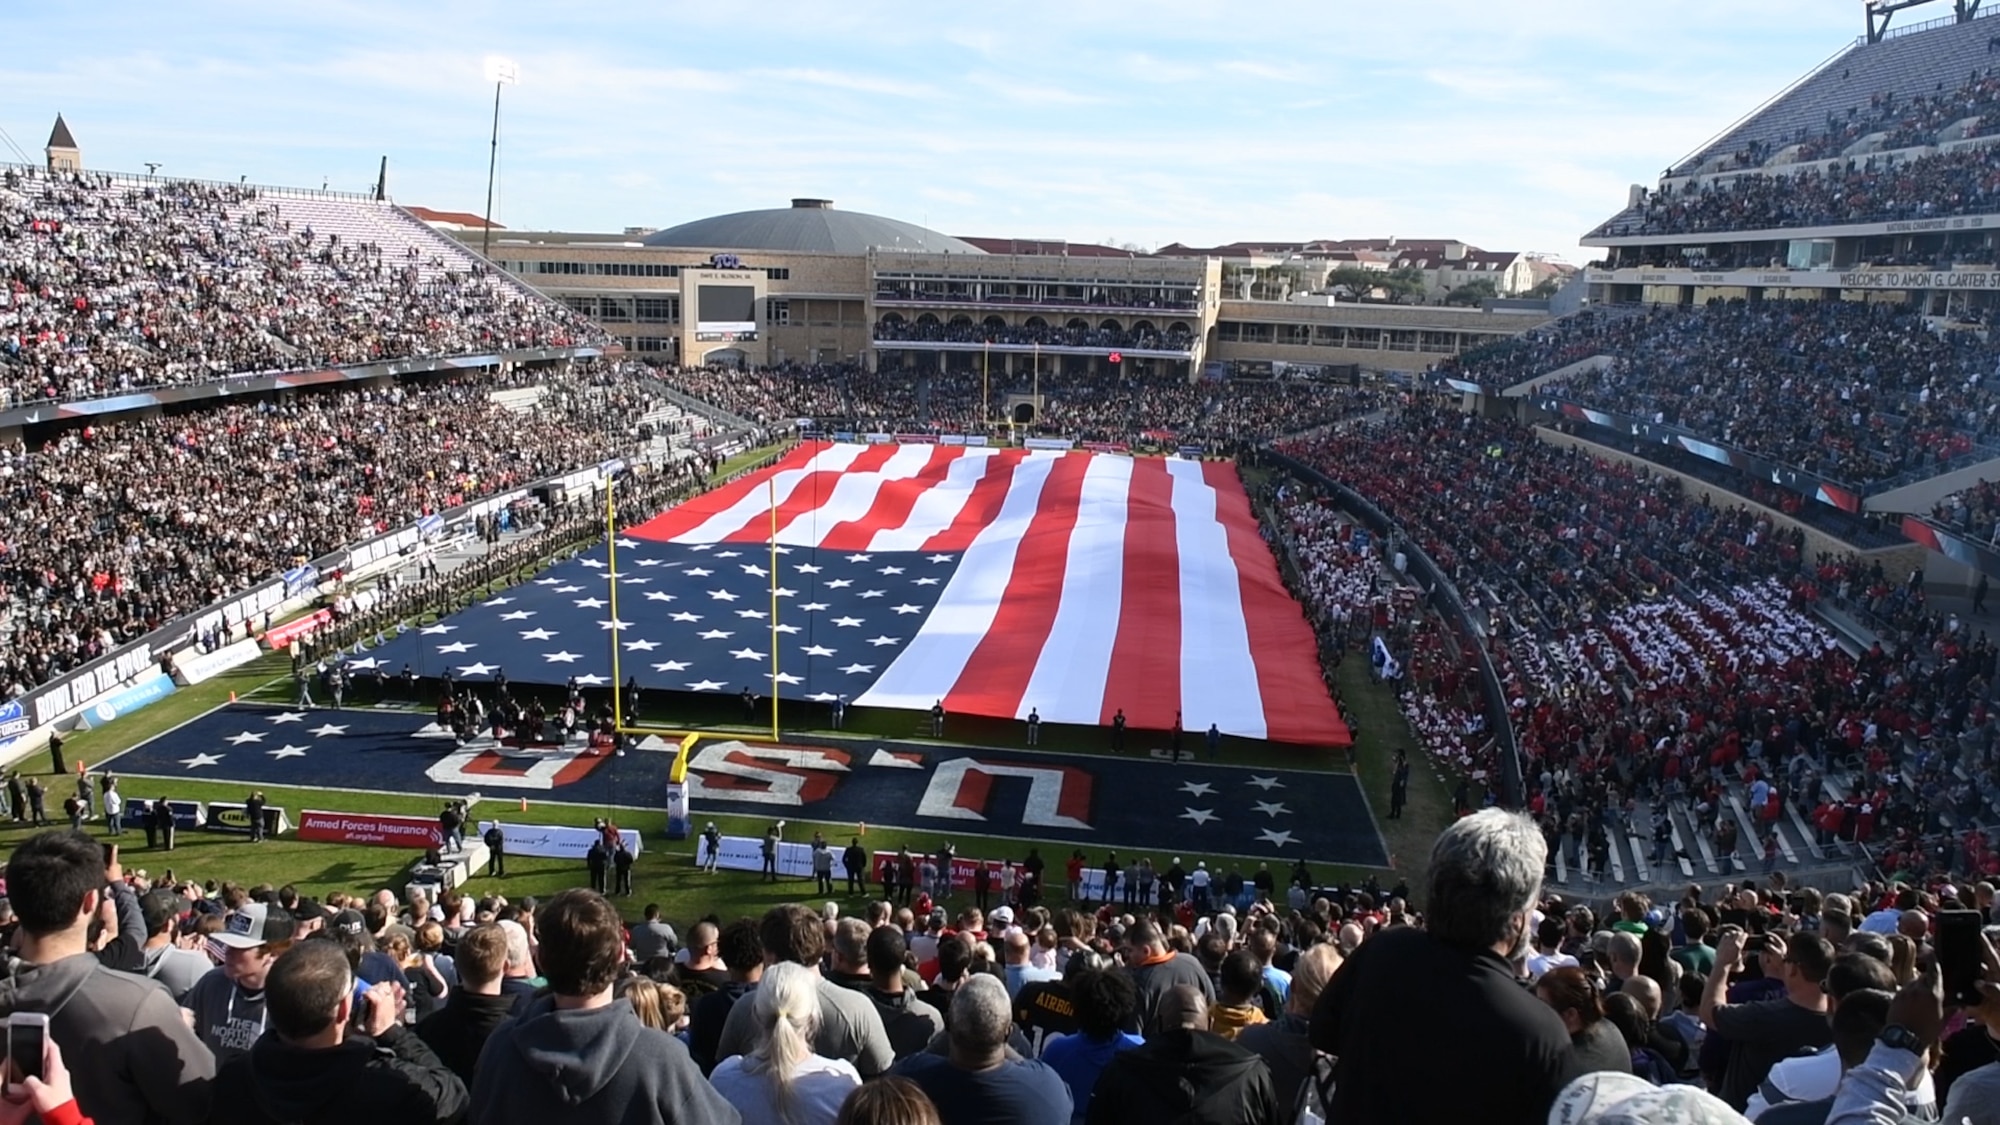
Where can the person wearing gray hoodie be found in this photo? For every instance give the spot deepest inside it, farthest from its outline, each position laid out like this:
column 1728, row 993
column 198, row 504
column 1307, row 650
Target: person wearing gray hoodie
column 576, row 1055
column 131, row 1057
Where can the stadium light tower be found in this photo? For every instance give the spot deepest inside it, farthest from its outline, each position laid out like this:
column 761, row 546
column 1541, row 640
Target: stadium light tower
column 501, row 72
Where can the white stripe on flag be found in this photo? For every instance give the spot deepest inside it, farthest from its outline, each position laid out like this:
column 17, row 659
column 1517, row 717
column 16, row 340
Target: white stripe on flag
column 928, row 667
column 1068, row 681
column 940, row 504
column 1218, row 670
column 851, row 496
column 757, row 502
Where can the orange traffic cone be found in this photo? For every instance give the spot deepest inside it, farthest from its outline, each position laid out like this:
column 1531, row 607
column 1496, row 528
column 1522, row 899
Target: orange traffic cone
column 524, row 804
column 232, row 697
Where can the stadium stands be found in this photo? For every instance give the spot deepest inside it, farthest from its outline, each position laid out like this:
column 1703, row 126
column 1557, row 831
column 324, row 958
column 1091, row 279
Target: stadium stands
column 1661, row 654
column 111, row 530
column 110, row 284
column 1854, row 392
column 895, row 329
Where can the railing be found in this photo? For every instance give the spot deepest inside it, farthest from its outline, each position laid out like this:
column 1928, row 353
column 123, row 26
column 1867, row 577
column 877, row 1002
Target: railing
column 265, row 190
column 1449, row 605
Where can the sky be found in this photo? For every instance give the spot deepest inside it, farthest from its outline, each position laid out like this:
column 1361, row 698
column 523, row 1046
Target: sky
column 1509, row 126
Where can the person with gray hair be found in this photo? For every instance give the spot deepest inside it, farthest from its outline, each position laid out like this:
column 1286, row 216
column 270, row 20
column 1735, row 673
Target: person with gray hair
column 979, row 1081
column 1433, row 1024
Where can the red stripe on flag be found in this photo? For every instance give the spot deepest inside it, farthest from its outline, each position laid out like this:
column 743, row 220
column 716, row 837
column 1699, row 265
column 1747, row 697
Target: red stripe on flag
column 892, row 503
column 1145, row 673
column 1296, row 706
column 996, row 676
column 813, row 490
column 683, row 518
column 983, row 506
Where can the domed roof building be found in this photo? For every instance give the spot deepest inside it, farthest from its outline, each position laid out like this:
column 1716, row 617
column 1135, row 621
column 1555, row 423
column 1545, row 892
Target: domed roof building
column 808, row 226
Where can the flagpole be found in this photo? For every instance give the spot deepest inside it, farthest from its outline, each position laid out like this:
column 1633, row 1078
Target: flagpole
column 611, row 545
column 773, row 484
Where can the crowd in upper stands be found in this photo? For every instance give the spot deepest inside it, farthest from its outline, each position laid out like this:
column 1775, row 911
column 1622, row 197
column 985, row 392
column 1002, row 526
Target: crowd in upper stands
column 110, row 530
column 1855, row 392
column 1082, row 407
column 109, row 285
column 1655, row 645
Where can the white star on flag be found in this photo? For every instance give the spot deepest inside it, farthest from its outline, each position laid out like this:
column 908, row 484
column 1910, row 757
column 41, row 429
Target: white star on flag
column 839, row 584
column 813, row 607
column 658, row 596
column 816, row 650
column 746, row 654
column 908, row 608
column 615, row 625
column 878, row 642
column 697, row 572
column 872, row 593
column 518, row 615
column 1197, row 788
column 750, row 614
column 784, row 592
column 927, row 582
column 685, row 616
column 288, row 717
column 784, row 628
column 728, row 554
column 456, row 646
column 671, row 666
column 1271, row 836
column 590, row 679
column 1265, row 783
column 537, row 635
column 716, row 635
column 571, row 589
column 649, row 562
column 940, row 558
column 722, row 595
column 563, row 657
column 890, row 570
column 628, row 544
column 480, row 669
column 590, row 603
column 705, row 685
column 499, row 601
column 846, row 622
column 246, row 736
column 822, row 697
column 1199, row 816
column 807, row 568
column 436, row 630
column 858, row 669
column 547, row 581
column 624, row 581
column 859, row 558
column 702, row 547
column 200, row 760
column 1273, row 808
column 594, row 564
column 786, row 678
column 325, row 729
column 641, row 646
column 756, row 571
column 284, row 752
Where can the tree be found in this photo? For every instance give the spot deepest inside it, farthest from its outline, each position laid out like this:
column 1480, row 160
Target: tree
column 1406, row 283
column 1544, row 289
column 1473, row 292
column 1359, row 283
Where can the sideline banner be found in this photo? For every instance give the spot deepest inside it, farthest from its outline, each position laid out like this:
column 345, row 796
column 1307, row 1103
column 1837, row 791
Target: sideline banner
column 194, row 667
column 280, row 636
column 746, row 853
column 232, row 816
column 1048, row 443
column 381, row 830
column 187, row 814
column 554, row 841
column 962, row 869
column 152, row 689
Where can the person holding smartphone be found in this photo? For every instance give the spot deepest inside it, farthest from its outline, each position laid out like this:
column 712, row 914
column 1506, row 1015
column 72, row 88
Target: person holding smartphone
column 43, row 1095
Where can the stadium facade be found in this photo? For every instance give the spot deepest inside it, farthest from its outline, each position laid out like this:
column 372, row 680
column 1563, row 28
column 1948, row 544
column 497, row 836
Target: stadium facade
column 830, row 286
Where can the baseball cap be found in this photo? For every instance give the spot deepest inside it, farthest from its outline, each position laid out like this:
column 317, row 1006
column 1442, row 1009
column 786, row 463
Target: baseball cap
column 350, row 922
column 1611, row 1098
column 1002, row 915
column 254, row 924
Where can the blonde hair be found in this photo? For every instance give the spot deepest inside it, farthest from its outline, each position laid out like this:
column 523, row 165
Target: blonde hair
column 644, row 996
column 786, row 1009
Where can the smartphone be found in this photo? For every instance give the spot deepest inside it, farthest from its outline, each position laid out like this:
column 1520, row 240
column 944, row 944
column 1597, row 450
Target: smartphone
column 1959, row 958
column 110, row 854
column 1756, row 943
column 27, row 1041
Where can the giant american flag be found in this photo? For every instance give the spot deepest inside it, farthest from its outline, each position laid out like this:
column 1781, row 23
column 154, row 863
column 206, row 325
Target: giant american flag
column 995, row 581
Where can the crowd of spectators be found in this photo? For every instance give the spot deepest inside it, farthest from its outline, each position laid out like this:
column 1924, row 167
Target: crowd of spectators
column 1871, row 189
column 181, row 1002
column 1655, row 645
column 1082, row 407
column 109, row 285
column 109, row 530
column 1855, row 392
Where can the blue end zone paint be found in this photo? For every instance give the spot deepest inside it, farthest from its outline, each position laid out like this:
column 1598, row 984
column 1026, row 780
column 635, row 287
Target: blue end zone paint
column 1142, row 805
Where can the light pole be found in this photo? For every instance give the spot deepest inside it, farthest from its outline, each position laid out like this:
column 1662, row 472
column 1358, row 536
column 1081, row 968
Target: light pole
column 501, row 72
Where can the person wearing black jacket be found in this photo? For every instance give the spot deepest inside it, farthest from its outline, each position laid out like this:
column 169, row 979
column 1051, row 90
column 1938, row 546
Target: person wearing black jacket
column 598, row 860
column 855, row 862
column 332, row 1058
column 458, row 1030
column 1185, row 1073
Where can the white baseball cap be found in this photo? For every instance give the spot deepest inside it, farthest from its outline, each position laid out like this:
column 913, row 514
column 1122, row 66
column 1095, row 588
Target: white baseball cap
column 1614, row 1098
